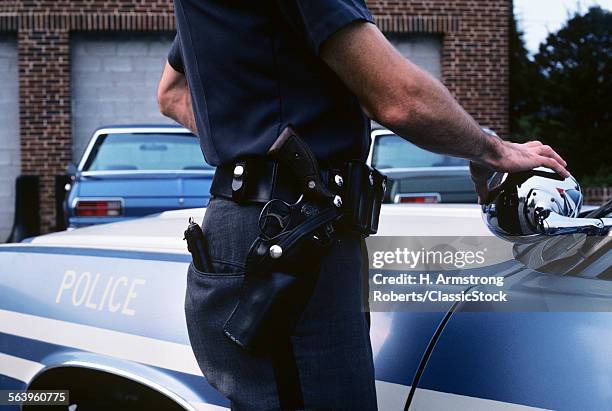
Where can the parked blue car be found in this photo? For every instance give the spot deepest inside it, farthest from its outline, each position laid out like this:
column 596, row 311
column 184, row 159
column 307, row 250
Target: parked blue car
column 133, row 171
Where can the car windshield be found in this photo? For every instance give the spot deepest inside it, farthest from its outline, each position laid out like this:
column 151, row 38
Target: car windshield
column 392, row 151
column 150, row 151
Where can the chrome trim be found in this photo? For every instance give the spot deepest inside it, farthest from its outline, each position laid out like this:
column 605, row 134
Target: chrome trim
column 556, row 224
column 397, row 197
column 76, row 199
column 374, row 135
column 124, row 130
column 144, row 172
column 119, row 372
column 445, row 168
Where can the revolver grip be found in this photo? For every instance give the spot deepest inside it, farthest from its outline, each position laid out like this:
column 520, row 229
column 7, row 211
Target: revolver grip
column 291, row 151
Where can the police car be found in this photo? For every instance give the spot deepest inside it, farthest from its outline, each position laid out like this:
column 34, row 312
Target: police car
column 98, row 311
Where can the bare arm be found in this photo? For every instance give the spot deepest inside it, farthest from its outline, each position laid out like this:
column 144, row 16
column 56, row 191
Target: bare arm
column 174, row 99
column 416, row 106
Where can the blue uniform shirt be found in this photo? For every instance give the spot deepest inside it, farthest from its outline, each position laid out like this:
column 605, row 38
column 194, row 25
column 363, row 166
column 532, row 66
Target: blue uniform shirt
column 253, row 67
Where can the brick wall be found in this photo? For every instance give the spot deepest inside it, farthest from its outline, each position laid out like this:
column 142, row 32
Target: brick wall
column 474, row 48
column 474, row 61
column 44, row 110
column 597, row 195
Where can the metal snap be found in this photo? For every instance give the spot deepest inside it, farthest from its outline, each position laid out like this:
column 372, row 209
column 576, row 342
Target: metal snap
column 276, row 251
column 338, row 201
column 238, row 171
column 338, row 180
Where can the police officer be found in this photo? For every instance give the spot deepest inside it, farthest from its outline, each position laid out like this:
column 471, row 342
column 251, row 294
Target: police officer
column 237, row 74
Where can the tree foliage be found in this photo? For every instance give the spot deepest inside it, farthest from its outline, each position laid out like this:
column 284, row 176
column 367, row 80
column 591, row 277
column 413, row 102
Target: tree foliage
column 563, row 96
column 523, row 75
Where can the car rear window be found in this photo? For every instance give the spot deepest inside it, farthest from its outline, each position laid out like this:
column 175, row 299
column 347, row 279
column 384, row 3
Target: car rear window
column 150, row 151
column 392, row 151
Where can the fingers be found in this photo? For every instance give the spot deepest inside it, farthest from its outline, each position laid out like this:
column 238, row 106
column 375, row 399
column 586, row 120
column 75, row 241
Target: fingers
column 549, row 157
column 554, row 165
column 547, row 151
column 482, row 191
column 479, row 173
column 480, row 176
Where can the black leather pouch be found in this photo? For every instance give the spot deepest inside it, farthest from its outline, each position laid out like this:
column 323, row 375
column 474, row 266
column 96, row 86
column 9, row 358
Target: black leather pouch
column 363, row 196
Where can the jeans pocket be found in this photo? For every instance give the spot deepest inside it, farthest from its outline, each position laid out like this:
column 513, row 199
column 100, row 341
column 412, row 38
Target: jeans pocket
column 235, row 373
column 219, row 268
column 209, row 301
column 230, row 230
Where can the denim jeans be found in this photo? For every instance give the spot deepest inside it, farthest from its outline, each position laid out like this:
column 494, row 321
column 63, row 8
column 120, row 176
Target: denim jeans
column 331, row 343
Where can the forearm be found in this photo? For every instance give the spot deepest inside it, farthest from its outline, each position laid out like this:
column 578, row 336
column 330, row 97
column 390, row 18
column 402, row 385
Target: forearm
column 181, row 111
column 404, row 98
column 174, row 98
column 426, row 113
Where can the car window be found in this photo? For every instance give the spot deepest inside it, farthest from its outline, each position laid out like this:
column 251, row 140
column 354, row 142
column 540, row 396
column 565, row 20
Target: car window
column 392, row 151
column 151, row 151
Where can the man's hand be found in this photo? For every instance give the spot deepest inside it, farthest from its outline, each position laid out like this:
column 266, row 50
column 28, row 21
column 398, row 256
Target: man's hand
column 514, row 157
column 174, row 98
column 409, row 101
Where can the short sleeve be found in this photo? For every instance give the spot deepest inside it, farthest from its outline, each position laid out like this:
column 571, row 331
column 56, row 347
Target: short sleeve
column 317, row 20
column 175, row 57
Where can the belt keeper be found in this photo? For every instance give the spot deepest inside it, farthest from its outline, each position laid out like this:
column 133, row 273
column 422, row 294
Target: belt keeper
column 239, row 182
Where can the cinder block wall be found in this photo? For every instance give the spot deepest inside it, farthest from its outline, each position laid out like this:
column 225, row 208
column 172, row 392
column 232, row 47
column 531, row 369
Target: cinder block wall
column 474, row 62
column 114, row 81
column 9, row 131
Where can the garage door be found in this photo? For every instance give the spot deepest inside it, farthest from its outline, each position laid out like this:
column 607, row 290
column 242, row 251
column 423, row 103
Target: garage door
column 425, row 50
column 114, row 80
column 9, row 132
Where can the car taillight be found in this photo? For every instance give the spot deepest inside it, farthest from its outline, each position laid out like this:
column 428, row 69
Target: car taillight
column 417, row 198
column 98, row 208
